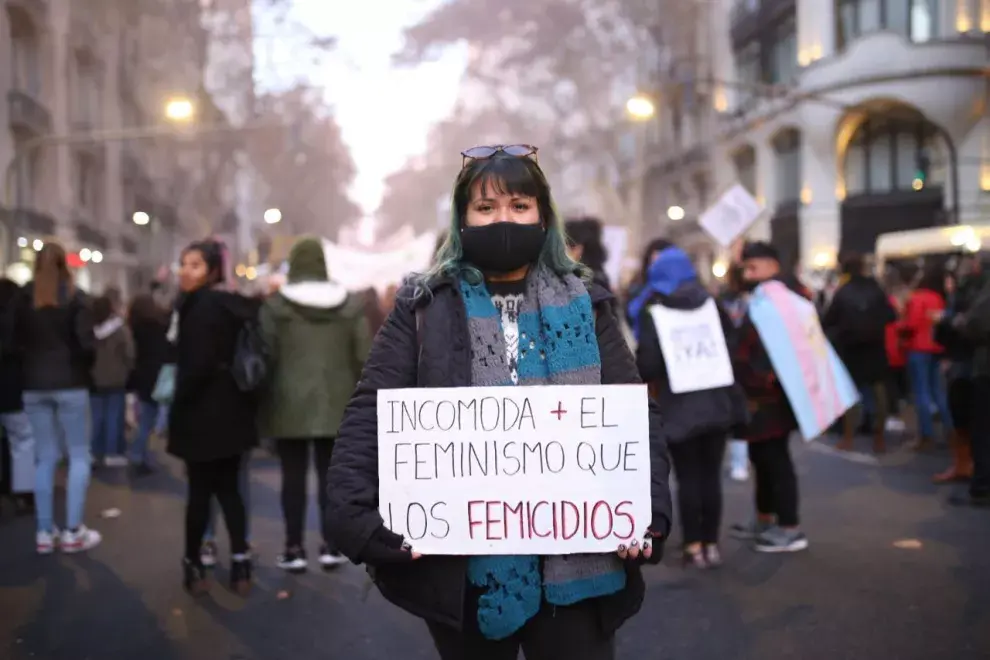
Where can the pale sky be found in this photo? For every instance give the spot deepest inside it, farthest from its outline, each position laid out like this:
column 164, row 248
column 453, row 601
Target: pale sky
column 384, row 113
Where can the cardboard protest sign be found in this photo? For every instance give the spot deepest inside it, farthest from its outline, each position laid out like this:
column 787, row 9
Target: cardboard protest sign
column 694, row 348
column 515, row 470
column 734, row 212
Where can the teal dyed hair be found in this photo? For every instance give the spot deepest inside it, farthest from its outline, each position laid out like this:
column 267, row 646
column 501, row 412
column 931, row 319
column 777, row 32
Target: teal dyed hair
column 504, row 174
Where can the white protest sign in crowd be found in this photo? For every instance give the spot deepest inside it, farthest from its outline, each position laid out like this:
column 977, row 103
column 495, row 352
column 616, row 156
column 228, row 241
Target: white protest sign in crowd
column 693, row 347
column 515, row 470
column 734, row 212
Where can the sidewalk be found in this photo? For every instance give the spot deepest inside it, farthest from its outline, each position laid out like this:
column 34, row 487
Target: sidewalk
column 892, row 573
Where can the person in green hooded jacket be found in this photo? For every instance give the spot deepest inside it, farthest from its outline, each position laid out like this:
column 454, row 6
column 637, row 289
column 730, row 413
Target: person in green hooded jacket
column 318, row 338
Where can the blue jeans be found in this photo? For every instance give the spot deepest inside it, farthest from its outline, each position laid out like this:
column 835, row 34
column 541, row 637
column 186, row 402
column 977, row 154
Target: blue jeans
column 108, row 420
column 60, row 417
column 244, row 479
column 148, row 416
column 928, row 388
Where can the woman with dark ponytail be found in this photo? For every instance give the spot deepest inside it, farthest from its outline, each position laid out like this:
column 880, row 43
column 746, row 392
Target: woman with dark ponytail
column 211, row 421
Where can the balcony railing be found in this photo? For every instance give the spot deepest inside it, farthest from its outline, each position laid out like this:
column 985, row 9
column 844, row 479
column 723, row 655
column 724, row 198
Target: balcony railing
column 26, row 113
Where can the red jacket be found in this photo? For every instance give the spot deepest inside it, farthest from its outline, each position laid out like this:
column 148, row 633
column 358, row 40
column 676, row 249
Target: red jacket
column 919, row 320
column 894, row 340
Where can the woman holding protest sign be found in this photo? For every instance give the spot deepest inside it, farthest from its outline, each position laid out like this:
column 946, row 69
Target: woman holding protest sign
column 683, row 353
column 494, row 310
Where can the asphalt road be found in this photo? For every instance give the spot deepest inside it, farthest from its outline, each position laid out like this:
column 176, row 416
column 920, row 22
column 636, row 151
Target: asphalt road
column 892, row 573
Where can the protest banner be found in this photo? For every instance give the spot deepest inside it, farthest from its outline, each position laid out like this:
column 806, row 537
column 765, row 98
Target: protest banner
column 729, row 217
column 515, row 470
column 693, row 347
column 815, row 380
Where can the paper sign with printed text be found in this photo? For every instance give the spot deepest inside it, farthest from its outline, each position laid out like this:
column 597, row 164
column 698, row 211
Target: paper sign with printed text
column 728, row 218
column 515, row 470
column 694, row 348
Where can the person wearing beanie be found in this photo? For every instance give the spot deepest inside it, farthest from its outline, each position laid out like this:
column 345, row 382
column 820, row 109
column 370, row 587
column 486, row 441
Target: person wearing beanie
column 318, row 337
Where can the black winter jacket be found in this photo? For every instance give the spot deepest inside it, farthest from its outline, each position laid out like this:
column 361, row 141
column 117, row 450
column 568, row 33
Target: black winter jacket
column 153, row 351
column 856, row 323
column 210, row 417
column 57, row 343
column 689, row 414
column 439, row 355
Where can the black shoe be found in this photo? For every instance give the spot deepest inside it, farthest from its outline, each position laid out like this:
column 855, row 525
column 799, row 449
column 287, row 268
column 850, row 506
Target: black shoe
column 240, row 576
column 24, row 504
column 194, row 577
column 142, row 470
column 293, row 560
column 965, row 499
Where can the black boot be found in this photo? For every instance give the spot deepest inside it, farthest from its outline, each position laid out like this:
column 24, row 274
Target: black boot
column 194, row 577
column 240, row 576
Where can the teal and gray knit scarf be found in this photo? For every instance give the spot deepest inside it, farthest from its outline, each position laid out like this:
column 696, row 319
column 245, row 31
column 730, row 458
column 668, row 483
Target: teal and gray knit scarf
column 557, row 346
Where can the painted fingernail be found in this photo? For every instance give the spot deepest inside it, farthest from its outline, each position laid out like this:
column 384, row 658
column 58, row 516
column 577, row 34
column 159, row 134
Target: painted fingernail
column 646, row 546
column 634, row 543
column 622, row 548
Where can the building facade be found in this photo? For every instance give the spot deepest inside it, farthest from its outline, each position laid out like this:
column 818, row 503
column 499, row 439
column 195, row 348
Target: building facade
column 848, row 119
column 84, row 86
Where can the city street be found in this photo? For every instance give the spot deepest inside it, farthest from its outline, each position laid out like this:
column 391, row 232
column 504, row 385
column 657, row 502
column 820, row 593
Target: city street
column 892, row 572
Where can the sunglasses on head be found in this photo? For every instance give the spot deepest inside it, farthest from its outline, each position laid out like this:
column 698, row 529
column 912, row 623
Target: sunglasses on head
column 487, row 151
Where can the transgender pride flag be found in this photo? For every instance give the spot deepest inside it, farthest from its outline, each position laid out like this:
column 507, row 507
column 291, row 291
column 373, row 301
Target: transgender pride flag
column 816, row 382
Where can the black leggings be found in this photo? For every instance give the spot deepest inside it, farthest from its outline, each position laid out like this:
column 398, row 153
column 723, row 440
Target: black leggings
column 572, row 632
column 295, row 464
column 776, row 480
column 698, row 467
column 218, row 479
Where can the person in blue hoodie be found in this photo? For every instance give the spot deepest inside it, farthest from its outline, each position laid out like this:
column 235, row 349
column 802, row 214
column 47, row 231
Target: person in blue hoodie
column 681, row 328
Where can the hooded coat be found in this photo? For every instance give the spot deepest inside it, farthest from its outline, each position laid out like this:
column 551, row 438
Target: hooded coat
column 318, row 338
column 210, row 418
column 673, row 283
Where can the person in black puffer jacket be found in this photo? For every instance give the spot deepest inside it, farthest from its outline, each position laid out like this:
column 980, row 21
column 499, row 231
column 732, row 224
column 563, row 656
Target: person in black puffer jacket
column 856, row 323
column 505, row 253
column 19, row 469
column 211, row 421
column 697, row 421
column 149, row 324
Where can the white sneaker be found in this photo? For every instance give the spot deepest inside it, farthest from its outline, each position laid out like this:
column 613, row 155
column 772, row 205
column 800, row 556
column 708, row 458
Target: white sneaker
column 46, row 542
column 739, row 474
column 330, row 559
column 895, row 425
column 80, row 540
column 115, row 461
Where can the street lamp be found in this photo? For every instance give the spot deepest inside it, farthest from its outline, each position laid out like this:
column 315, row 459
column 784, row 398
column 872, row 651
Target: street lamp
column 85, row 254
column 273, row 216
column 640, row 107
column 675, row 213
column 96, row 257
column 179, row 110
column 141, row 218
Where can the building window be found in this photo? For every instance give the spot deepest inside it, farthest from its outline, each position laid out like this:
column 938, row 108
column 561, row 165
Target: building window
column 784, row 52
column 888, row 154
column 787, row 146
column 913, row 19
column 748, row 73
column 24, row 55
column 745, row 162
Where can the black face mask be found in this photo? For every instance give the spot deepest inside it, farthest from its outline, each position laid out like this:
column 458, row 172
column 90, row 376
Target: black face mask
column 502, row 247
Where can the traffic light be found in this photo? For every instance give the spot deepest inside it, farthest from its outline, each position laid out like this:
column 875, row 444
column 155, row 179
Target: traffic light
column 922, row 165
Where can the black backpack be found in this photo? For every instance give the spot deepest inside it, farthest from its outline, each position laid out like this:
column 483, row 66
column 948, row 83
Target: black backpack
column 250, row 364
